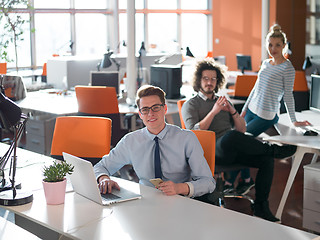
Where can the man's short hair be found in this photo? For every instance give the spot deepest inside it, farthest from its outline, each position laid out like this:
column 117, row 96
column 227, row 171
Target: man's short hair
column 148, row 90
column 209, row 64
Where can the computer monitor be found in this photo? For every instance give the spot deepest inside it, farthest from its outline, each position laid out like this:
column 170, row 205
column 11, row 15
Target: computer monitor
column 168, row 78
column 244, row 62
column 315, row 93
column 107, row 79
column 220, row 59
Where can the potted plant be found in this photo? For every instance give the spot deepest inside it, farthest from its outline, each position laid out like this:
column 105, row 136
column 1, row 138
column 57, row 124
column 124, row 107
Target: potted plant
column 54, row 182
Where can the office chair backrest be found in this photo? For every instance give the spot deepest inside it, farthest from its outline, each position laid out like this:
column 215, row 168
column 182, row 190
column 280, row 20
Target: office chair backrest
column 300, row 82
column 180, row 103
column 207, row 140
column 97, row 99
column 44, row 69
column 3, row 68
column 244, row 85
column 85, row 137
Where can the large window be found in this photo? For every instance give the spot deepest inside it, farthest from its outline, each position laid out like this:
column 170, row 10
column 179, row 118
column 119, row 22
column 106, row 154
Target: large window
column 22, row 45
column 162, row 31
column 313, row 22
column 81, row 27
column 91, row 34
column 52, row 35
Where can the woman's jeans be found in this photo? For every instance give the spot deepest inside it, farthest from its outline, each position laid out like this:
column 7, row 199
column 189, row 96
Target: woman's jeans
column 257, row 125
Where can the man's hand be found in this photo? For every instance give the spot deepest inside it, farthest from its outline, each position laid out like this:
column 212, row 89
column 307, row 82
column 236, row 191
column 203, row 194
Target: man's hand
column 170, row 188
column 223, row 104
column 106, row 184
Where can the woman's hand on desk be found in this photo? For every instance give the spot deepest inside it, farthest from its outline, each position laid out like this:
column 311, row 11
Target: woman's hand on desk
column 106, row 184
column 300, row 124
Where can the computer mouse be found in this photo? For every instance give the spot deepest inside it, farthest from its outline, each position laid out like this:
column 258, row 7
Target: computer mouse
column 310, row 133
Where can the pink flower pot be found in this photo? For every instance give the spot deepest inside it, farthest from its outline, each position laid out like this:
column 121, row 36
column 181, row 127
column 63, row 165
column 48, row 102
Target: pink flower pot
column 55, row 192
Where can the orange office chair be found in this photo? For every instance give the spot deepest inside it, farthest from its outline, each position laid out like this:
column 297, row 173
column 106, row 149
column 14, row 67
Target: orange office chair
column 85, row 137
column 180, row 103
column 101, row 101
column 243, row 86
column 207, row 140
column 44, row 73
column 3, row 68
column 300, row 82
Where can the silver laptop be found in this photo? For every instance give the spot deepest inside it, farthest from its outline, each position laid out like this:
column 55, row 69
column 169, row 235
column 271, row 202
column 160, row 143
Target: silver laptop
column 84, row 182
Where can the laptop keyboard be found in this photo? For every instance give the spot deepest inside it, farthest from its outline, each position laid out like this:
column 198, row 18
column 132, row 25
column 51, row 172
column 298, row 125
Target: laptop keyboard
column 109, row 196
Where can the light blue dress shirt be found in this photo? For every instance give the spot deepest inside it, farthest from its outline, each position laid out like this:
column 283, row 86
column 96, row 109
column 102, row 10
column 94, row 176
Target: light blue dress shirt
column 181, row 157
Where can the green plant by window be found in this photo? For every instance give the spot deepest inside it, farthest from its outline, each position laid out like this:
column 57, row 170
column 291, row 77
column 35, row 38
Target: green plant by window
column 13, row 26
column 57, row 171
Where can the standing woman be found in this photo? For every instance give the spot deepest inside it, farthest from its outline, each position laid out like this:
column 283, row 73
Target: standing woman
column 275, row 80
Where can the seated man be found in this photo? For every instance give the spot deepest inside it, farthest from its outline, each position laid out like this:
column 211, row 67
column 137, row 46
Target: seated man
column 182, row 166
column 207, row 111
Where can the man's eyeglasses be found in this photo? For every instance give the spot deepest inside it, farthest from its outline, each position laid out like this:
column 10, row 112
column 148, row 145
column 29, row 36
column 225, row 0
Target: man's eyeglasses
column 154, row 108
column 209, row 79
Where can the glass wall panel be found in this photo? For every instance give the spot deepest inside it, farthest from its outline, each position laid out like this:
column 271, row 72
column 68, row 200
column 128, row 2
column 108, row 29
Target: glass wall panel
column 92, row 4
column 123, row 31
column 194, row 33
column 163, row 32
column 91, row 34
column 163, row 4
column 191, row 4
column 23, row 45
column 53, row 36
column 139, row 4
column 51, row 4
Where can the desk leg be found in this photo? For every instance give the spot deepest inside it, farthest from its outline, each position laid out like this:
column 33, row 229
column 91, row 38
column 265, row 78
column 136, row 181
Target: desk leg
column 296, row 160
column 315, row 157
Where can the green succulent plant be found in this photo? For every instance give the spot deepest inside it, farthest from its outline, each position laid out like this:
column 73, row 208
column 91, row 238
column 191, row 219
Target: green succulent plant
column 57, row 171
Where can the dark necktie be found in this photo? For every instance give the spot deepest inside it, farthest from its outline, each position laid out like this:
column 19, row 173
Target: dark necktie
column 157, row 165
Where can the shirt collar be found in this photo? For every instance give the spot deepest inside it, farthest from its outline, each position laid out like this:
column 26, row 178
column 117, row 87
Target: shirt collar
column 160, row 135
column 204, row 97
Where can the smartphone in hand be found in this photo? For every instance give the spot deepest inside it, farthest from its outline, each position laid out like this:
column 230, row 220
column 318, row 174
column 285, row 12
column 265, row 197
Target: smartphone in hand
column 156, row 181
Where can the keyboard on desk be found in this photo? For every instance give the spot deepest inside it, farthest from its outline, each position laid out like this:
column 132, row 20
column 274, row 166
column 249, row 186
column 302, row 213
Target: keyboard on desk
column 309, row 130
column 109, row 196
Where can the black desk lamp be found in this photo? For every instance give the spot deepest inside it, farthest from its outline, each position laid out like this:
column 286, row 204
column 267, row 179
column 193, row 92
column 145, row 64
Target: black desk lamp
column 189, row 53
column 11, row 118
column 307, row 63
column 107, row 61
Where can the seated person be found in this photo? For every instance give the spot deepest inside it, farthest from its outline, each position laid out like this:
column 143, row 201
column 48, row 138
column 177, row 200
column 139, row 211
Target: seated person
column 183, row 168
column 207, row 111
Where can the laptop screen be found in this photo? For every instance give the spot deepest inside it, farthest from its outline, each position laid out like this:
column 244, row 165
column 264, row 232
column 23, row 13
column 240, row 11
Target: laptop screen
column 315, row 93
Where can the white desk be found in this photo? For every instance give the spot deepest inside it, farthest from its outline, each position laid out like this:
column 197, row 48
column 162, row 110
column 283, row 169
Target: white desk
column 305, row 144
column 9, row 230
column 155, row 216
column 48, row 101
